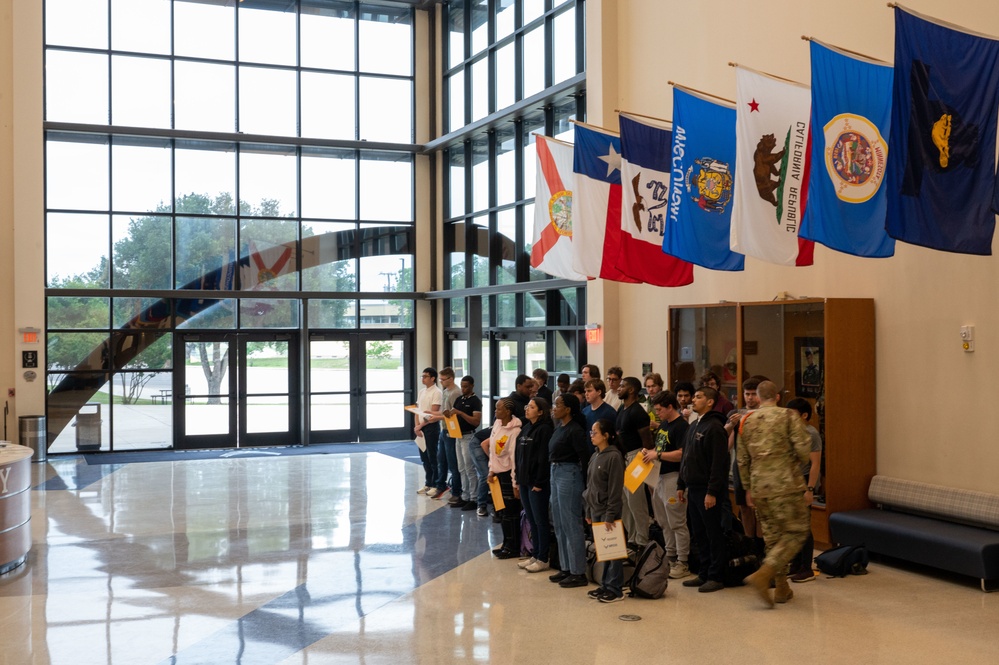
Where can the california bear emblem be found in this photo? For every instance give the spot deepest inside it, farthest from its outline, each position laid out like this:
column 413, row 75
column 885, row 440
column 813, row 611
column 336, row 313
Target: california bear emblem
column 765, row 163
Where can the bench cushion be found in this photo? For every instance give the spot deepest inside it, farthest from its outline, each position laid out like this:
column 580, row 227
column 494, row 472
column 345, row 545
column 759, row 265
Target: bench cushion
column 959, row 548
column 956, row 505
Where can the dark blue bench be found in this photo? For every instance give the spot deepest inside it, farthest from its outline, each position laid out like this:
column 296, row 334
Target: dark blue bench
column 947, row 528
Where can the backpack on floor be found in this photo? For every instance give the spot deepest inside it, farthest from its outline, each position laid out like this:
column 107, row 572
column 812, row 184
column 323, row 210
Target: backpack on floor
column 740, row 556
column 651, row 574
column 843, row 561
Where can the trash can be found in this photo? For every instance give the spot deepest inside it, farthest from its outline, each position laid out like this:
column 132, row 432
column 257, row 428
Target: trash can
column 88, row 427
column 31, row 434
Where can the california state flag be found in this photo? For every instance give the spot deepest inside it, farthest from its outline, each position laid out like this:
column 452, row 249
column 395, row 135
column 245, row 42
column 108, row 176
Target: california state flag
column 771, row 174
column 552, row 249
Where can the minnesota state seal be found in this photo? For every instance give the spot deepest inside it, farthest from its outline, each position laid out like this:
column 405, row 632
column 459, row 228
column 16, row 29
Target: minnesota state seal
column 856, row 155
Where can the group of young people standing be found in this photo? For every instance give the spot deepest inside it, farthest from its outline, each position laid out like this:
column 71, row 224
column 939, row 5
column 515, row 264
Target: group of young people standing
column 560, row 460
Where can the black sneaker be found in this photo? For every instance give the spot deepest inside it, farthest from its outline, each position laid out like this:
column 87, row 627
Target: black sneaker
column 469, row 505
column 694, row 581
column 596, row 593
column 559, row 576
column 711, row 585
column 573, row 581
column 505, row 554
column 610, row 597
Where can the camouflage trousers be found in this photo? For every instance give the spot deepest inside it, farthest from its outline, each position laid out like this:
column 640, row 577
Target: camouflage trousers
column 786, row 522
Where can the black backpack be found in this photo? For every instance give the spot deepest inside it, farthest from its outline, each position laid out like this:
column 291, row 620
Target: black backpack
column 843, row 561
column 651, row 574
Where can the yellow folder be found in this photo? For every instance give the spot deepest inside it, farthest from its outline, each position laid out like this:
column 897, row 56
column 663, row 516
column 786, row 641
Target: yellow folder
column 494, row 488
column 636, row 472
column 453, row 428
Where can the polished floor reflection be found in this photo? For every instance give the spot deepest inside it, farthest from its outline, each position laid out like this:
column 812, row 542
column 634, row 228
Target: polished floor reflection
column 334, row 558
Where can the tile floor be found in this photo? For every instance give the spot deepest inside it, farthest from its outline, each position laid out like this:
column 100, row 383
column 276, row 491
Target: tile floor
column 334, row 558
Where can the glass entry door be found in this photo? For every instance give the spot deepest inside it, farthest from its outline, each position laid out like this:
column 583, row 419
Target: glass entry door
column 359, row 384
column 237, row 390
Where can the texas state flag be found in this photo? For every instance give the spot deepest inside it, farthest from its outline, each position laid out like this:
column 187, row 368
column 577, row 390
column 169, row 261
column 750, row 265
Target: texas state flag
column 596, row 203
column 646, row 151
column 551, row 250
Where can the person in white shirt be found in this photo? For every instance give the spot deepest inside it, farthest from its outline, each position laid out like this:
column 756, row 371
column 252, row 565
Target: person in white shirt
column 614, row 375
column 428, row 401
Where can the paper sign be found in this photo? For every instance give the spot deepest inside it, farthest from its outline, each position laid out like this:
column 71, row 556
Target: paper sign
column 415, row 410
column 421, row 442
column 636, row 472
column 494, row 488
column 453, row 428
column 609, row 545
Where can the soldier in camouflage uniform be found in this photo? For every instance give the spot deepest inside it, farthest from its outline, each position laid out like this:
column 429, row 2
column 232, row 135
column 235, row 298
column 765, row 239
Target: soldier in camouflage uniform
column 773, row 445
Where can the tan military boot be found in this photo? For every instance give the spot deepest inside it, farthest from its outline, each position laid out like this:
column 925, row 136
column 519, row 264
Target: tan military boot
column 783, row 592
column 760, row 580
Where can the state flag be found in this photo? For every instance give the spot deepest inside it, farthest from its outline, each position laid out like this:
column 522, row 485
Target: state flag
column 941, row 177
column 597, row 203
column 551, row 249
column 700, row 214
column 851, row 115
column 646, row 152
column 771, row 174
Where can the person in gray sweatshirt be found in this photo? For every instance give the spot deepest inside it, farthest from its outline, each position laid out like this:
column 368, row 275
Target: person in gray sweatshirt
column 604, row 502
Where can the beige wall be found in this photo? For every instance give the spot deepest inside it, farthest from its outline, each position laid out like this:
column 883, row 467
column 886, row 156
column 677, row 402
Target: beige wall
column 934, row 401
column 21, row 256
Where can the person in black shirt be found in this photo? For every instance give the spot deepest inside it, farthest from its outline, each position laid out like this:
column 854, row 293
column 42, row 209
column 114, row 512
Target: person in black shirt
column 521, row 395
column 569, row 452
column 533, row 472
column 468, row 409
column 703, row 484
column 541, row 378
column 633, row 435
column 670, row 513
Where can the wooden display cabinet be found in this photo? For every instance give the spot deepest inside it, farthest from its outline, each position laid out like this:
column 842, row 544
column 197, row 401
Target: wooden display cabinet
column 818, row 349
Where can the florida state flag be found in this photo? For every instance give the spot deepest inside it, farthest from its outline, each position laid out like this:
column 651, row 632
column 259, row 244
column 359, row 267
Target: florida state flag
column 552, row 246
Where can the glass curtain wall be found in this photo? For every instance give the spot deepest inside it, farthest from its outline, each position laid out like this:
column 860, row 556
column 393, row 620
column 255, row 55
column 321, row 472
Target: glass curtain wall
column 262, row 150
column 499, row 53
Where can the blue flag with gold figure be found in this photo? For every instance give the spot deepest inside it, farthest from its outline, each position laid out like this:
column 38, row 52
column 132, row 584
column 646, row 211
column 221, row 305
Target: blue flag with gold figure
column 851, row 112
column 703, row 162
column 941, row 175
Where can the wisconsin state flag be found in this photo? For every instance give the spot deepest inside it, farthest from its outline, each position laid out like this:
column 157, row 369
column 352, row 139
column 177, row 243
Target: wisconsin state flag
column 771, row 174
column 851, row 112
column 941, row 177
column 552, row 245
column 700, row 211
column 597, row 203
column 646, row 151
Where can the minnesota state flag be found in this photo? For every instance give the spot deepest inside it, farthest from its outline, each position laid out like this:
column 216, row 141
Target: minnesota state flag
column 771, row 175
column 700, row 211
column 851, row 112
column 941, row 176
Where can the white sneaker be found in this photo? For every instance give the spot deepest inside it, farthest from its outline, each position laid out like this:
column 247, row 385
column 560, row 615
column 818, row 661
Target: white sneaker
column 424, row 489
column 526, row 562
column 679, row 570
column 537, row 567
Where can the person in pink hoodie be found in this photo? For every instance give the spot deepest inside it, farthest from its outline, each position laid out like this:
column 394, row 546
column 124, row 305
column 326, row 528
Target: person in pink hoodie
column 502, row 456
